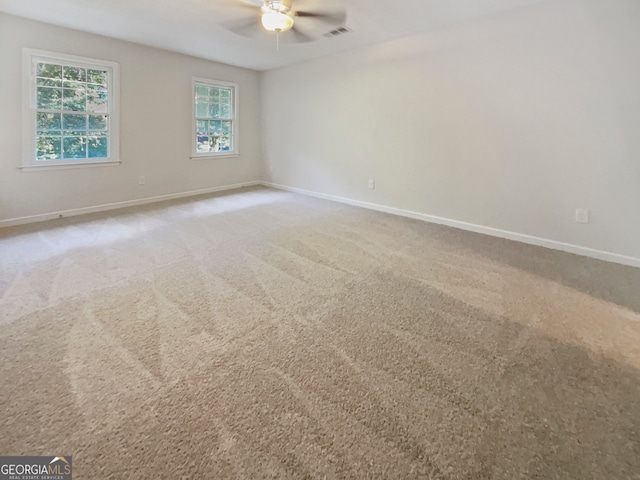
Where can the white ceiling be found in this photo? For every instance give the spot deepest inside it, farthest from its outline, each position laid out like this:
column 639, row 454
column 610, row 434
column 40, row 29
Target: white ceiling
column 196, row 27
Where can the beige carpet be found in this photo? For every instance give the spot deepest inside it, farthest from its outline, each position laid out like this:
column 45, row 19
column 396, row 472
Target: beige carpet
column 264, row 334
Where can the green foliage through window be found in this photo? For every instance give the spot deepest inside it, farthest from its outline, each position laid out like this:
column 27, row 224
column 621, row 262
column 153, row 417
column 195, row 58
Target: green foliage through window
column 72, row 120
column 214, row 118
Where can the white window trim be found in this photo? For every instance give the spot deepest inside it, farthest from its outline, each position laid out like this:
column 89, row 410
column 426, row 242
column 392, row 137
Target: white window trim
column 29, row 57
column 235, row 119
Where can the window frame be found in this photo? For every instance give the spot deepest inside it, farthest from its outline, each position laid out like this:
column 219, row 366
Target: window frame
column 30, row 58
column 235, row 130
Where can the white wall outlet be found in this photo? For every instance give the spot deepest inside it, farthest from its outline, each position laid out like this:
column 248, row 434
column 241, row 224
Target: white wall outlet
column 582, row 215
column 372, row 184
column 141, row 180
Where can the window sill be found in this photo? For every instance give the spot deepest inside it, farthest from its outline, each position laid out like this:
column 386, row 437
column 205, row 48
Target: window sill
column 209, row 157
column 66, row 166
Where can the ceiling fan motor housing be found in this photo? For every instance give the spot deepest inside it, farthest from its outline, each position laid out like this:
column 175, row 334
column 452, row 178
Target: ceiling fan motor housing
column 276, row 6
column 276, row 16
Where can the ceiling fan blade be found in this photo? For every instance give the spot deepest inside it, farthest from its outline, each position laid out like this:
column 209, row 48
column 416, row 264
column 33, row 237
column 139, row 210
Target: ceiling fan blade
column 246, row 28
column 300, row 36
column 334, row 18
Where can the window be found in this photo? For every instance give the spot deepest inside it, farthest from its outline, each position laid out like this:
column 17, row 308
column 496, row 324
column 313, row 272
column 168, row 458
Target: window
column 70, row 112
column 215, row 127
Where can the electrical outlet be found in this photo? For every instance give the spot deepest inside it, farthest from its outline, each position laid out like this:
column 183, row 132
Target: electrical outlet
column 372, row 184
column 582, row 215
column 141, row 180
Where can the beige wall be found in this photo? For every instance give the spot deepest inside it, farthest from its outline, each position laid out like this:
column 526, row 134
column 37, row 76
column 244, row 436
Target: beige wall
column 155, row 101
column 509, row 122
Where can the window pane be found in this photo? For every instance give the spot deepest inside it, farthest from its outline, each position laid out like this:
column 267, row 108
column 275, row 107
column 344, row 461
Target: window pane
column 49, row 82
column 214, row 110
column 48, row 148
column 74, row 147
column 73, row 133
column 224, row 143
column 225, row 94
column 72, row 84
column 98, row 146
column 97, row 76
column 49, row 71
column 48, row 121
column 201, row 126
column 202, row 110
column 77, row 74
column 97, row 99
column 215, row 126
column 72, row 122
column 214, row 92
column 49, row 98
column 97, row 122
column 226, row 127
column 74, row 99
column 225, row 111
column 203, row 143
column 202, row 91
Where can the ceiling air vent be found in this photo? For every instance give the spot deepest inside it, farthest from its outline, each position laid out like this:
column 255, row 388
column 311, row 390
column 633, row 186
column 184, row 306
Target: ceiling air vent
column 337, row 31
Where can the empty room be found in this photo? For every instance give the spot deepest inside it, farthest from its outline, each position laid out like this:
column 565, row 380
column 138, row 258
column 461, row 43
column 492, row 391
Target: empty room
column 320, row 239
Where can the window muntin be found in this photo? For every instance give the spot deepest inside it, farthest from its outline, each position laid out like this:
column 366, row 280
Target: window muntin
column 72, row 115
column 215, row 126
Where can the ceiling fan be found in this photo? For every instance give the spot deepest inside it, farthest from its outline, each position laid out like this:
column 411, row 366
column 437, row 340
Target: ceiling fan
column 279, row 16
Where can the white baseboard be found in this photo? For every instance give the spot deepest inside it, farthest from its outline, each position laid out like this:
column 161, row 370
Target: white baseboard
column 494, row 232
column 518, row 237
column 112, row 206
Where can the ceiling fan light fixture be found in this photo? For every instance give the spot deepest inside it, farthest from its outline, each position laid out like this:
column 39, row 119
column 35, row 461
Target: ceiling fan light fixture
column 276, row 21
